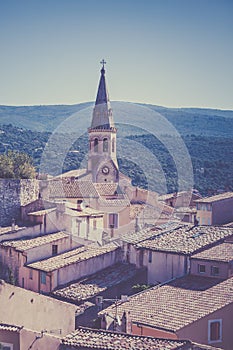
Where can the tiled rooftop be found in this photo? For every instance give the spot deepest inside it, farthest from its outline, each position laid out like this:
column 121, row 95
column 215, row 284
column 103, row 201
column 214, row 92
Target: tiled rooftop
column 97, row 283
column 25, row 244
column 140, row 236
column 84, row 212
column 8, row 327
column 106, row 188
column 76, row 173
column 72, row 257
column 167, row 196
column 149, row 232
column 120, row 202
column 222, row 252
column 186, row 239
column 101, row 339
column 8, row 229
column 72, row 188
column 42, row 212
column 215, row 198
column 177, row 304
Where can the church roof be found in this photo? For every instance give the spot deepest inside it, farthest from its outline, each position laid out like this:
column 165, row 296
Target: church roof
column 102, row 94
column 72, row 188
column 102, row 114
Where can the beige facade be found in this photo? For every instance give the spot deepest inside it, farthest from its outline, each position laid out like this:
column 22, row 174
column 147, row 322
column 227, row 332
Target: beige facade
column 14, row 255
column 33, row 311
column 215, row 210
column 56, row 271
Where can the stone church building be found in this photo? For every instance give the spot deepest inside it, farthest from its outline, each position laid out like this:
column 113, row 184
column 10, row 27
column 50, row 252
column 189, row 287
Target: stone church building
column 102, row 186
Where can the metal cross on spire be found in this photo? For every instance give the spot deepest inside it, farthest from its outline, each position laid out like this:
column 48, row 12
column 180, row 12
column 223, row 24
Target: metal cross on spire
column 103, row 62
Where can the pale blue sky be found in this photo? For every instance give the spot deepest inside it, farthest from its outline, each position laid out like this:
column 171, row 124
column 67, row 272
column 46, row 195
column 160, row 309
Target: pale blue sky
column 176, row 53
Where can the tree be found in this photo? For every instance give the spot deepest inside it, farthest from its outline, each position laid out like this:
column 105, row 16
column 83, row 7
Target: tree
column 16, row 165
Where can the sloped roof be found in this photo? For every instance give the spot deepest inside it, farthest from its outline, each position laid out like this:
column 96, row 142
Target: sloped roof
column 72, row 257
column 89, row 287
column 101, row 339
column 106, row 189
column 149, row 232
column 186, row 239
column 177, row 304
column 25, row 244
column 72, row 188
column 218, row 197
column 222, row 252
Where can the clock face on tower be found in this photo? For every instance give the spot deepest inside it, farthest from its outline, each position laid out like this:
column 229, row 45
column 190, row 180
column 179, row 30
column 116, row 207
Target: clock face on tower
column 105, row 170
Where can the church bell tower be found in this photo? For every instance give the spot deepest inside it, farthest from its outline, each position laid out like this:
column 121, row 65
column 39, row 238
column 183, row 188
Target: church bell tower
column 102, row 160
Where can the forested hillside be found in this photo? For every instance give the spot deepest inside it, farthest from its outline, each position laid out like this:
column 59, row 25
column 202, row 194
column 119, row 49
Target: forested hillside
column 211, row 157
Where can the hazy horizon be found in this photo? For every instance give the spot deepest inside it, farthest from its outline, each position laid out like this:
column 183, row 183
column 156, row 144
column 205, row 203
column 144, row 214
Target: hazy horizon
column 175, row 54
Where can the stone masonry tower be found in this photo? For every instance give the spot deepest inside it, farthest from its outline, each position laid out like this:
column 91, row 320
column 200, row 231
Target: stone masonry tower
column 102, row 160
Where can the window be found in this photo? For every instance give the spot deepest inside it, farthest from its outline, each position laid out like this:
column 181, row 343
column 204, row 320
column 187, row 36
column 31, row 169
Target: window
column 31, row 274
column 214, row 270
column 43, row 277
column 54, row 249
column 214, row 331
column 94, row 224
column 96, row 145
column 105, row 145
column 113, row 145
column 113, row 220
column 150, row 256
column 6, row 346
column 201, row 268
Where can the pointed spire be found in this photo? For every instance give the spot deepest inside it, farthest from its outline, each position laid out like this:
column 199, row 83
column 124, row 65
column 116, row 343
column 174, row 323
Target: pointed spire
column 102, row 94
column 102, row 114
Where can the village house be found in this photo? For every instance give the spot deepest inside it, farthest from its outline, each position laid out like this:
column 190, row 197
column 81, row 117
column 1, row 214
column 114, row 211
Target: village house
column 71, row 265
column 215, row 210
column 88, row 339
column 191, row 307
column 101, row 186
column 101, row 289
column 28, row 319
column 214, row 262
column 183, row 199
column 15, row 254
column 13, row 337
column 166, row 252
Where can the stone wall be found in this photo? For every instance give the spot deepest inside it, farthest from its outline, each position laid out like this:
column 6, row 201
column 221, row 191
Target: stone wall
column 14, row 194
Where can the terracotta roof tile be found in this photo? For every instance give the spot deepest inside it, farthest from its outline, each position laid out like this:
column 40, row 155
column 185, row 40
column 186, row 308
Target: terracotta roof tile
column 97, row 283
column 72, row 188
column 100, row 339
column 8, row 229
column 105, row 189
column 186, row 239
column 42, row 212
column 215, row 198
column 150, row 232
column 25, row 244
column 222, row 252
column 174, row 305
column 72, row 257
